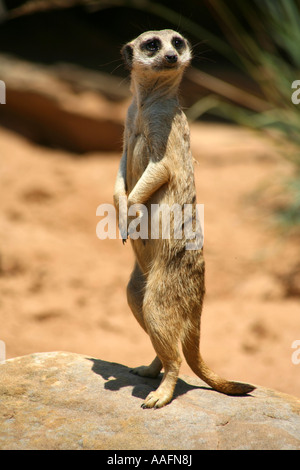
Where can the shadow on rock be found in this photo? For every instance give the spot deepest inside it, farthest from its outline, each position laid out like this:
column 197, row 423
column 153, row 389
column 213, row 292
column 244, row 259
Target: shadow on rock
column 119, row 376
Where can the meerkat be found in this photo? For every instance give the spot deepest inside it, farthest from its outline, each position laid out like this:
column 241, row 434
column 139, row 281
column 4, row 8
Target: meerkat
column 166, row 288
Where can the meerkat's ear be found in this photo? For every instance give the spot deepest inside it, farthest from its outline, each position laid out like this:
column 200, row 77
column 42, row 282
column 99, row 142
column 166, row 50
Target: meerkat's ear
column 127, row 54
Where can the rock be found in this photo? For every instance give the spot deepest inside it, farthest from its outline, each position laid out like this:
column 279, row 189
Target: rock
column 68, row 401
column 63, row 106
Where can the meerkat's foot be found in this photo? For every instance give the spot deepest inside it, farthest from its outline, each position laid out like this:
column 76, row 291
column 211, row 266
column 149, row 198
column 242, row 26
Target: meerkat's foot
column 149, row 371
column 157, row 399
column 145, row 371
column 164, row 393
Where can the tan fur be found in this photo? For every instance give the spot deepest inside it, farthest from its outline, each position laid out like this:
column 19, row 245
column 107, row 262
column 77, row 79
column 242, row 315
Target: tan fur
column 166, row 288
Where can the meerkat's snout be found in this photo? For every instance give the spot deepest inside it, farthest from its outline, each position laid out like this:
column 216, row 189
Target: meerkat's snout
column 171, row 58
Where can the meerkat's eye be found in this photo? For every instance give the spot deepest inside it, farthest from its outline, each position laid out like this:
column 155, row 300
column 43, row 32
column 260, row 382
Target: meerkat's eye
column 178, row 43
column 153, row 45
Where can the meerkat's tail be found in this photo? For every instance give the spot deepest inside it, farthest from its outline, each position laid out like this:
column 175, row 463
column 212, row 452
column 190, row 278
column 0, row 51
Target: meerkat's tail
column 190, row 348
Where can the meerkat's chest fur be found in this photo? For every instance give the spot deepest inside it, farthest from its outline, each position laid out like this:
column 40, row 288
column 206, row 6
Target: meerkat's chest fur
column 151, row 130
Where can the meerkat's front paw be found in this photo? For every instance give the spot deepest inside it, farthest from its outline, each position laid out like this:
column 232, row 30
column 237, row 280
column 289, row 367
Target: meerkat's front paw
column 157, row 399
column 123, row 226
column 120, row 202
column 124, row 233
column 137, row 217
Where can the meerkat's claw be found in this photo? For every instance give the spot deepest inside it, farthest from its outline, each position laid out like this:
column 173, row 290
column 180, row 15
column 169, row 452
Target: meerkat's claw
column 124, row 235
column 157, row 400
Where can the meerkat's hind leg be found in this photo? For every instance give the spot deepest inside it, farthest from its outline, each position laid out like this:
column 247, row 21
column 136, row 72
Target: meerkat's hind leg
column 135, row 298
column 164, row 393
column 135, row 294
column 152, row 370
column 165, row 339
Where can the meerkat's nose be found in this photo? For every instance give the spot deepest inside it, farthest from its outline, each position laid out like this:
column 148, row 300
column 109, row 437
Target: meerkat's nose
column 171, row 58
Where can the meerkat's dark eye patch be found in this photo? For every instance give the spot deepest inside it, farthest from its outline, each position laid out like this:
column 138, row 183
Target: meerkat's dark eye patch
column 152, row 45
column 178, row 43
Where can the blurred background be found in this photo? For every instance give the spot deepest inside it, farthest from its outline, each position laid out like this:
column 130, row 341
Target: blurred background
column 67, row 92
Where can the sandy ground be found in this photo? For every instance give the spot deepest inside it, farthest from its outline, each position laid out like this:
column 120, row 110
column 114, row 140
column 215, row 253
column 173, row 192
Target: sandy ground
column 61, row 288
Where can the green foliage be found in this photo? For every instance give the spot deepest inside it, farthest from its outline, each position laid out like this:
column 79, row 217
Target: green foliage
column 268, row 51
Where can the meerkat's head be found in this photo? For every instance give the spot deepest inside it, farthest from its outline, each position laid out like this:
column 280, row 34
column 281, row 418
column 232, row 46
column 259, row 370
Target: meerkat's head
column 159, row 52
